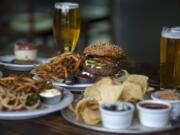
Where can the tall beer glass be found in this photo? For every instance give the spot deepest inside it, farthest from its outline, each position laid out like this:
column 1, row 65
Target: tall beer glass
column 170, row 57
column 66, row 27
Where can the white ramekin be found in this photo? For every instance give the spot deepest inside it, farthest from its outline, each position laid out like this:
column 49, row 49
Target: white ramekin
column 117, row 119
column 154, row 117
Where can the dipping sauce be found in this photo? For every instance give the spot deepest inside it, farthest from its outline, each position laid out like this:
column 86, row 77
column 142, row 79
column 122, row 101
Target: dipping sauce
column 25, row 51
column 169, row 95
column 154, row 106
column 85, row 77
column 117, row 107
column 116, row 115
column 154, row 113
column 51, row 96
column 50, row 93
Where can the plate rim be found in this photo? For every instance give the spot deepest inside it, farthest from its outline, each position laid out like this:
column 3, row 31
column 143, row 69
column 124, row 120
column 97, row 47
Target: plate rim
column 73, row 85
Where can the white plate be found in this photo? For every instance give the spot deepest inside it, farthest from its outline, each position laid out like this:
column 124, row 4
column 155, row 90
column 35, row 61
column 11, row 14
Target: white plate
column 135, row 128
column 43, row 110
column 5, row 60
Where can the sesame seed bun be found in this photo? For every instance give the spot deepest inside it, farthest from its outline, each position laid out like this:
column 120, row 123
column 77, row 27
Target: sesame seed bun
column 104, row 49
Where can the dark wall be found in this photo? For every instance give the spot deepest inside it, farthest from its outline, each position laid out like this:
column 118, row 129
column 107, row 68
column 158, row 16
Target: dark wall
column 138, row 26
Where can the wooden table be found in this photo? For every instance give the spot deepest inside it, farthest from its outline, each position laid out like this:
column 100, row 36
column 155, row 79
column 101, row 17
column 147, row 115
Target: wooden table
column 54, row 124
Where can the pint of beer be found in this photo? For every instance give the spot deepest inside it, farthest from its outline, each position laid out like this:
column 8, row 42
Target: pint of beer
column 66, row 27
column 170, row 58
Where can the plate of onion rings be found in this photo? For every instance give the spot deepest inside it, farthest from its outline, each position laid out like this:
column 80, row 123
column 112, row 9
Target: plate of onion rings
column 20, row 98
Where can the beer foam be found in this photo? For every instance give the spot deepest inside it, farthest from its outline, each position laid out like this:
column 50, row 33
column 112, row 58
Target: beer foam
column 173, row 33
column 66, row 5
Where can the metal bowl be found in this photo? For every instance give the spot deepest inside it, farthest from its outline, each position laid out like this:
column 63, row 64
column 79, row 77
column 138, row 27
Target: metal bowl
column 85, row 78
column 51, row 99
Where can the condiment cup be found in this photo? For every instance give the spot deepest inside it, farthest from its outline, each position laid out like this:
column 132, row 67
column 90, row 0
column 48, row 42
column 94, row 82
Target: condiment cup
column 51, row 96
column 85, row 77
column 175, row 113
column 116, row 119
column 151, row 116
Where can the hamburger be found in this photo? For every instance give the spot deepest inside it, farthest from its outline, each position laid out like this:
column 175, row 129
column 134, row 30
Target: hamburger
column 102, row 59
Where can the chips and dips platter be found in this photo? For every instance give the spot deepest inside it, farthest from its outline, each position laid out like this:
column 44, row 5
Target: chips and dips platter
column 136, row 127
column 6, row 61
column 86, row 109
column 67, row 98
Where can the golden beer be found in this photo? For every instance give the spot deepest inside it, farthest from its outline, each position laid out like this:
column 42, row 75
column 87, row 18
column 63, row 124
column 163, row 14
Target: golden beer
column 66, row 28
column 170, row 58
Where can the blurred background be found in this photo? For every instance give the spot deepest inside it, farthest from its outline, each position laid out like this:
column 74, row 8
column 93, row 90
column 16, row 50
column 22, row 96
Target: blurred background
column 135, row 25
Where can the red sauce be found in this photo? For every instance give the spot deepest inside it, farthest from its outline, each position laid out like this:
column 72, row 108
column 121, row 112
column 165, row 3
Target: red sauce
column 154, row 106
column 25, row 46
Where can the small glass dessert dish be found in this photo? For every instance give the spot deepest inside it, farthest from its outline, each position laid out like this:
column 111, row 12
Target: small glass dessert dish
column 25, row 53
column 51, row 96
column 154, row 113
column 117, row 115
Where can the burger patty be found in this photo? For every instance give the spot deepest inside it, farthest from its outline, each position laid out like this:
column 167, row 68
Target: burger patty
column 102, row 71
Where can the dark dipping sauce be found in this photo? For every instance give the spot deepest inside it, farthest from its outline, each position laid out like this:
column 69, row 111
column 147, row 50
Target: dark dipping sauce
column 116, row 108
column 85, row 77
column 155, row 106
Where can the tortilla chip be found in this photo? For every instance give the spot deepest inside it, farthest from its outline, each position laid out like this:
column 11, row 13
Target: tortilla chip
column 110, row 92
column 90, row 113
column 141, row 80
column 92, row 92
column 80, row 106
column 131, row 92
column 88, row 109
column 105, row 80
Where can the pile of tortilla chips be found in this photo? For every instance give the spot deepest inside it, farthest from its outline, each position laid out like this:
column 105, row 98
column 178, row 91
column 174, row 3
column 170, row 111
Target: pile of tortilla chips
column 132, row 88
